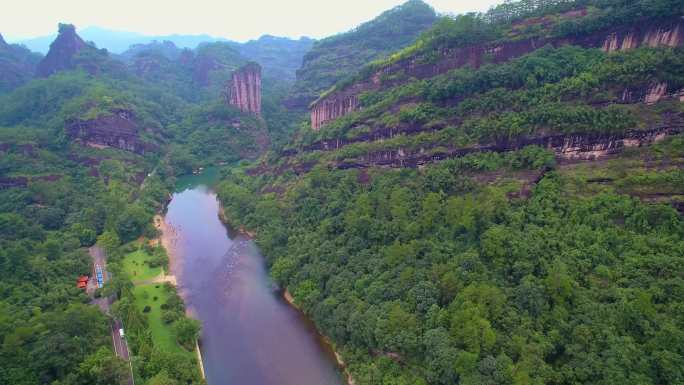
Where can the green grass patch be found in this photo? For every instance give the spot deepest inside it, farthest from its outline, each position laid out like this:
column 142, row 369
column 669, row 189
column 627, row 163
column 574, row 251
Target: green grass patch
column 137, row 266
column 163, row 335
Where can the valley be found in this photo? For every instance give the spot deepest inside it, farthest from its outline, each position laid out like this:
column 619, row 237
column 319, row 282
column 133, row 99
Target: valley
column 490, row 197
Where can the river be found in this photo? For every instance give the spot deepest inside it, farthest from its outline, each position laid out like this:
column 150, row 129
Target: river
column 250, row 335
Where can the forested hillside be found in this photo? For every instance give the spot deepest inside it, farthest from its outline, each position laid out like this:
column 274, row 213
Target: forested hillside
column 17, row 65
column 62, row 192
column 488, row 198
column 89, row 149
column 499, row 203
column 335, row 57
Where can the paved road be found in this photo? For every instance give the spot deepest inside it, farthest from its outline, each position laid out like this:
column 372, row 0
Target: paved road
column 120, row 347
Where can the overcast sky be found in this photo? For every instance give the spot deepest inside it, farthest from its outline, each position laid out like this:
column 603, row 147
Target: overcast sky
column 234, row 19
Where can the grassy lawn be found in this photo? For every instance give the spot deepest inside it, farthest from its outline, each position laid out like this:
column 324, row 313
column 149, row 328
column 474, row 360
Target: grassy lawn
column 136, row 266
column 162, row 334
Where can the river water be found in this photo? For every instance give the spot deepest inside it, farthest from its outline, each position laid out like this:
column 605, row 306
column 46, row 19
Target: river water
column 250, row 335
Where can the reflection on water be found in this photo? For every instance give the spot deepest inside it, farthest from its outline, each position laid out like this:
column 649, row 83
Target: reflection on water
column 250, row 335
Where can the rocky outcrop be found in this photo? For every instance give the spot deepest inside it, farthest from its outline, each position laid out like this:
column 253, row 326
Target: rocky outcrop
column 6, row 183
column 655, row 93
column 566, row 147
column 332, row 108
column 245, row 88
column 650, row 94
column 337, row 104
column 668, row 35
column 62, row 51
column 22, row 181
column 118, row 130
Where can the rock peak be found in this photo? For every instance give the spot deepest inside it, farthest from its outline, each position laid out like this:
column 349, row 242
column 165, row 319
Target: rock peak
column 245, row 88
column 62, row 51
column 63, row 28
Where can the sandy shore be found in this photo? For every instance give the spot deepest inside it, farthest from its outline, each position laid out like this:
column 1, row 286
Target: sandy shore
column 168, row 239
column 338, row 357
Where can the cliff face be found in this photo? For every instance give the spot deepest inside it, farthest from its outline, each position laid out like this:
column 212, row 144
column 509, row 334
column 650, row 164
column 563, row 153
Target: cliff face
column 62, row 51
column 566, row 147
column 118, row 130
column 342, row 102
column 245, row 88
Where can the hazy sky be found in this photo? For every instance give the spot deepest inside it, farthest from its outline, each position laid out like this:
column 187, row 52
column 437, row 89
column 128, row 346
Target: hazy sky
column 233, row 19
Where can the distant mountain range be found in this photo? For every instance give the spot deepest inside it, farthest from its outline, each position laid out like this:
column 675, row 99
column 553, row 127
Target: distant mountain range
column 119, row 41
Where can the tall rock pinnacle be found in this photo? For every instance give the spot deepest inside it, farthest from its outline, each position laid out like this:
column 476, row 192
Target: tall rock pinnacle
column 245, row 90
column 62, row 51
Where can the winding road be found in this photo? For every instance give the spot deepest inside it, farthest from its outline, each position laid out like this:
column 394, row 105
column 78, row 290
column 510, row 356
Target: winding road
column 120, row 346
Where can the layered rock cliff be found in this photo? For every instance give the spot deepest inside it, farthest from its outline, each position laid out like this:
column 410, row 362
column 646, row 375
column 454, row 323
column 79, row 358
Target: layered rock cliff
column 119, row 130
column 565, row 147
column 62, row 51
column 341, row 102
column 245, row 88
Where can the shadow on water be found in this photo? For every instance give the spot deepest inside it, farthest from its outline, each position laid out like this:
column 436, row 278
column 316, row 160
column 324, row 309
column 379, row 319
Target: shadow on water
column 250, row 335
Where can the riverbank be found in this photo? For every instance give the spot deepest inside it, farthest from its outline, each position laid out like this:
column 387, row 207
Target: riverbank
column 289, row 298
column 338, row 357
column 167, row 239
column 229, row 226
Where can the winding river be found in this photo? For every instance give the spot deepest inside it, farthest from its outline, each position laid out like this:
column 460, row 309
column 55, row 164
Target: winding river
column 250, row 335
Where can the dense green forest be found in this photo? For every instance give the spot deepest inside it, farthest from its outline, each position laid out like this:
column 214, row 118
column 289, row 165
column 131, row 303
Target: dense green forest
column 333, row 58
column 511, row 267
column 489, row 263
column 436, row 277
column 50, row 333
column 61, row 194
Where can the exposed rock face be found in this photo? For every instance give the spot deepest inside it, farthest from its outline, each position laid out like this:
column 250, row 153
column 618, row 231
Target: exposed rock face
column 338, row 103
column 329, row 109
column 655, row 93
column 118, row 130
column 566, row 147
column 62, row 51
column 3, row 44
column 651, row 94
column 667, row 35
column 245, row 88
column 22, row 181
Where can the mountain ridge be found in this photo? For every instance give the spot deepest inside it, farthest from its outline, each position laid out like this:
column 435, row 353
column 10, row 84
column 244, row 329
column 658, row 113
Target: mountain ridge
column 118, row 41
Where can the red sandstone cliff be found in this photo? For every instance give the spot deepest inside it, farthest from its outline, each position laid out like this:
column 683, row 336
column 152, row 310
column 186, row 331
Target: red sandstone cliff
column 342, row 102
column 62, row 51
column 245, row 88
column 118, row 129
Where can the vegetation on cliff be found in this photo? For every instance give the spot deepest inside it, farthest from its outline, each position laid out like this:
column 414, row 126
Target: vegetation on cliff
column 507, row 267
column 335, row 57
column 503, row 265
column 519, row 20
column 442, row 276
